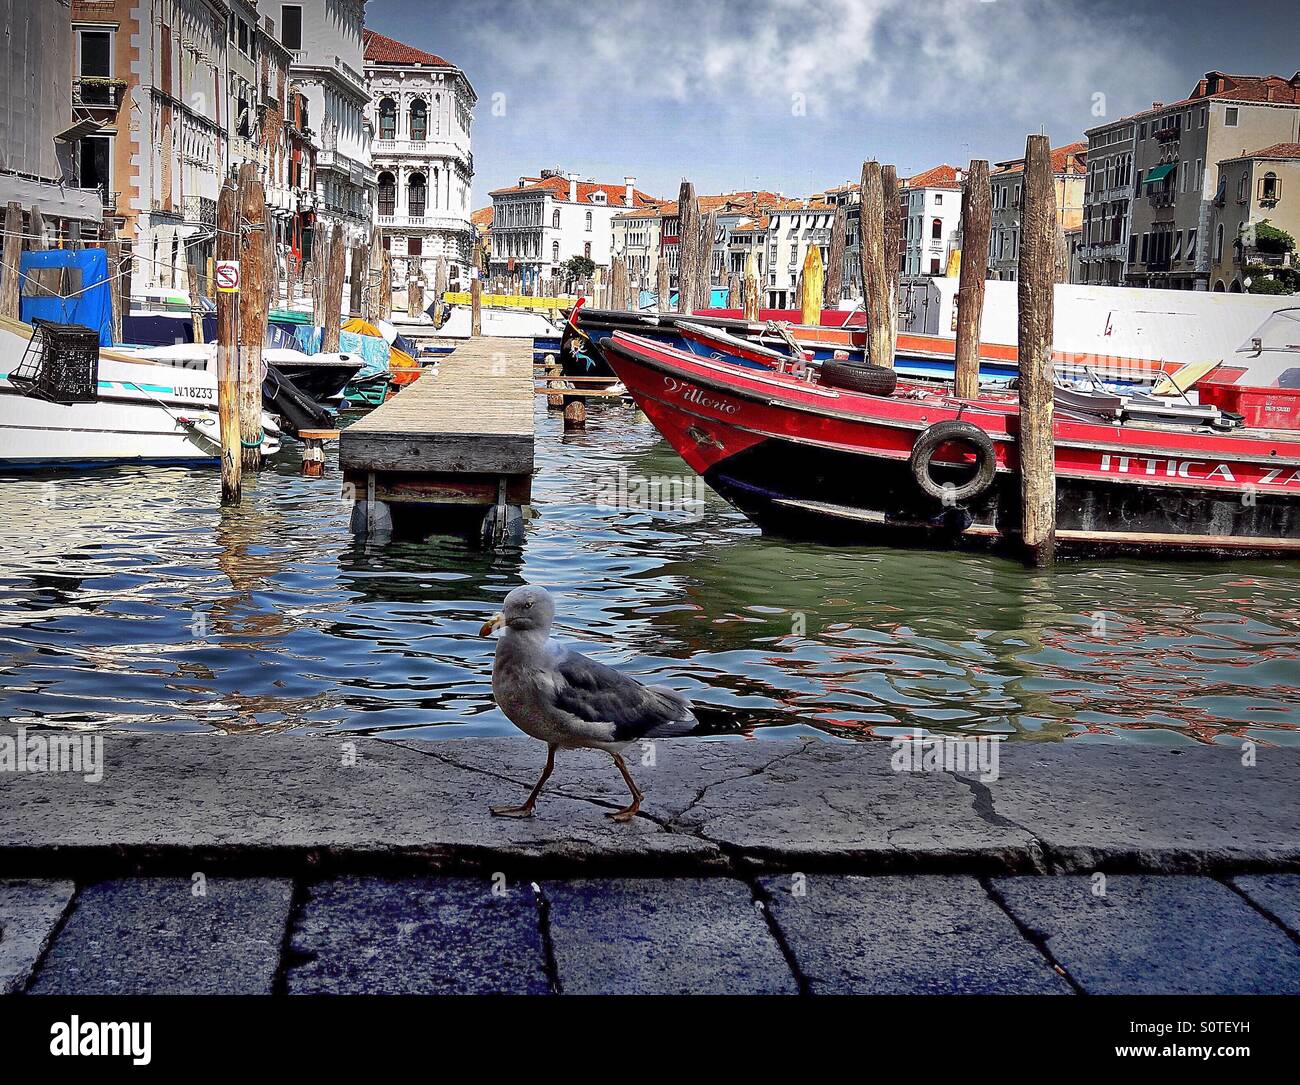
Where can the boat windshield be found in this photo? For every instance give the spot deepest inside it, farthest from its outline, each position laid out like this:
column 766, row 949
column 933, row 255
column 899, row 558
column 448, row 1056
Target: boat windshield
column 1271, row 356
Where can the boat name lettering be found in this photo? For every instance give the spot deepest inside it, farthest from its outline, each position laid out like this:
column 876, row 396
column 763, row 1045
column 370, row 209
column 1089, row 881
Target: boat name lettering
column 698, row 396
column 1193, row 469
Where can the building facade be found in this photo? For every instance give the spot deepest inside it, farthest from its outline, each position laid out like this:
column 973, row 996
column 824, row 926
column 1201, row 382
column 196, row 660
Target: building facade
column 794, row 227
column 1254, row 190
column 153, row 74
column 420, row 112
column 37, row 129
column 324, row 39
column 1177, row 148
column 542, row 222
column 931, row 221
column 1108, row 195
column 1069, row 173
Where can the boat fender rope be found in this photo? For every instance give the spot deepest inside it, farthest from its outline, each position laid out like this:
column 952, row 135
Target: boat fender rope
column 953, row 431
column 261, row 438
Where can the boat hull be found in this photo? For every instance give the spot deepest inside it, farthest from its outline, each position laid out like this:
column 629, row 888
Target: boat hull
column 798, row 458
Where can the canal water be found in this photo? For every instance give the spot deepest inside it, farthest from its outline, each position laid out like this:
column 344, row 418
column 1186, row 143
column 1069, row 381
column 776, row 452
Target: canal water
column 128, row 600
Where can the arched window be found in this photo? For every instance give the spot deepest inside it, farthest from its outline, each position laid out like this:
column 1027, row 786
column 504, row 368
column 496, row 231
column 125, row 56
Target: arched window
column 416, row 195
column 1269, row 188
column 387, row 119
column 555, row 252
column 419, row 120
column 1218, row 243
column 936, row 229
column 555, row 219
column 588, row 222
column 387, row 194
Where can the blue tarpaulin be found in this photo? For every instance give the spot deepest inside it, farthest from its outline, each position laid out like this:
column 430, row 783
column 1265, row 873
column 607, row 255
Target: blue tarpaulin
column 87, row 281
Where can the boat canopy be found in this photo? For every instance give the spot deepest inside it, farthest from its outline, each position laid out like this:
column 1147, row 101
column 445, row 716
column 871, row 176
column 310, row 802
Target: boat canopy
column 1271, row 357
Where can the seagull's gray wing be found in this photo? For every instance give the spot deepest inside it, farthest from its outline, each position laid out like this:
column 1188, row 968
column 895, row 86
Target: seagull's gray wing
column 596, row 693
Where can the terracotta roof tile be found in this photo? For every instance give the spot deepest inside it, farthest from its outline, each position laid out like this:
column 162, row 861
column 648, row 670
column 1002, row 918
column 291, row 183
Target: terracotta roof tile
column 1278, row 150
column 942, row 176
column 382, row 50
column 558, row 187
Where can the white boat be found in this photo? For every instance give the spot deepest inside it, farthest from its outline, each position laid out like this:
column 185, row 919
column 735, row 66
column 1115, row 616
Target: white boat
column 143, row 411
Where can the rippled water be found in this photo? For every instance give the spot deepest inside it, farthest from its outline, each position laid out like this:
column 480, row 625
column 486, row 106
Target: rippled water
column 128, row 600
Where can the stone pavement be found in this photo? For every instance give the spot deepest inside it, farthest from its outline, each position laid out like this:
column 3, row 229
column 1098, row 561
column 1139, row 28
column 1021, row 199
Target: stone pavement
column 775, row 934
column 293, row 864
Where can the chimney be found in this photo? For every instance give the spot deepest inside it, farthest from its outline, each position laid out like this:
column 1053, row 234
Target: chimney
column 1202, row 88
column 573, row 188
column 629, row 183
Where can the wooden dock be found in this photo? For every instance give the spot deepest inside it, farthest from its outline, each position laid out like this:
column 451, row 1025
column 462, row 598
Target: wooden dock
column 459, row 441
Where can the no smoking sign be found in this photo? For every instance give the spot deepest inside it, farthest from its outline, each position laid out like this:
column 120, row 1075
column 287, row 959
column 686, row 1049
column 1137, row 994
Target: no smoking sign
column 228, row 276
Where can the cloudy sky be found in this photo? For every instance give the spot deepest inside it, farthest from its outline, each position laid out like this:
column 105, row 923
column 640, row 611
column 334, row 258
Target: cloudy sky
column 791, row 95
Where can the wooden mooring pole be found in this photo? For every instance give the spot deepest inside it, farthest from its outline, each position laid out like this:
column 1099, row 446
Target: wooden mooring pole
column 811, row 301
column 360, row 258
column 688, row 238
column 893, row 242
column 254, row 308
column 976, row 222
column 476, row 307
column 227, row 248
column 10, row 287
column 835, row 260
column 875, row 280
column 750, row 290
column 332, row 297
column 1037, row 272
column 113, row 252
column 662, row 289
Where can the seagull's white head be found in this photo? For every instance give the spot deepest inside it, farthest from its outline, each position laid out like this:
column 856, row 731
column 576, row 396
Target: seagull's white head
column 527, row 607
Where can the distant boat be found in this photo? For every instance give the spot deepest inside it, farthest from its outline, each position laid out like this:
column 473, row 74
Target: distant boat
column 1215, row 470
column 129, row 410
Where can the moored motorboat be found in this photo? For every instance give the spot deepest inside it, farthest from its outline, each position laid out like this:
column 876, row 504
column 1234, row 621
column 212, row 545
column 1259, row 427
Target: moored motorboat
column 1132, row 472
column 125, row 409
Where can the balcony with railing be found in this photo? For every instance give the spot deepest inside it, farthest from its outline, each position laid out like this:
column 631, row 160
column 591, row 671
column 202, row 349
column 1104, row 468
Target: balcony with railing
column 97, row 92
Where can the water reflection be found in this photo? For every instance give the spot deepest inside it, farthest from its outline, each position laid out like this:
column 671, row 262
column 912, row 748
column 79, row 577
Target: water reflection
column 128, row 598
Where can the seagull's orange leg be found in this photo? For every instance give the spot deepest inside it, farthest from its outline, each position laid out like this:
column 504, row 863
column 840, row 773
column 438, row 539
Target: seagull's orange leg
column 526, row 811
column 628, row 812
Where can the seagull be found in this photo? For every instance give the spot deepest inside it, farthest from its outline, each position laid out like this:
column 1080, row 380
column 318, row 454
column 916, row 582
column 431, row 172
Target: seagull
column 569, row 701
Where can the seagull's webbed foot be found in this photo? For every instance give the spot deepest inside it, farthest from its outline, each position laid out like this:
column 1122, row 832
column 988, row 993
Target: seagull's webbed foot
column 525, row 811
column 628, row 812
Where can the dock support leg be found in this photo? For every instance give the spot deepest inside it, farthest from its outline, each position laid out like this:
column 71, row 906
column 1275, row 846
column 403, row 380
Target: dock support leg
column 575, row 413
column 371, row 518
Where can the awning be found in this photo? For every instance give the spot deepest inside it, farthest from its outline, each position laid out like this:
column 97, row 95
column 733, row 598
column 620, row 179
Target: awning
column 54, row 201
column 1160, row 173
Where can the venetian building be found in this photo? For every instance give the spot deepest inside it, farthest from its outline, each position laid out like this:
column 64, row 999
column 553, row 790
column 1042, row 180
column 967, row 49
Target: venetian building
column 421, row 109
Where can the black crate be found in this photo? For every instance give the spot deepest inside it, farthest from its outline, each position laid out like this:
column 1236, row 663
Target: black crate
column 61, row 364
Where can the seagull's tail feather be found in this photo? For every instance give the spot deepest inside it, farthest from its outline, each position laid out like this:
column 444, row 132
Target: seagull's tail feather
column 678, row 707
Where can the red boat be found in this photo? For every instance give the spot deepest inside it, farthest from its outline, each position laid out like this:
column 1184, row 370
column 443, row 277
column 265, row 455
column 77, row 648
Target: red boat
column 1213, row 469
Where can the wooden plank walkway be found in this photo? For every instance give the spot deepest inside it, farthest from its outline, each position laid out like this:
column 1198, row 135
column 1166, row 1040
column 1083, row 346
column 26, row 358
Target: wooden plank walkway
column 461, row 437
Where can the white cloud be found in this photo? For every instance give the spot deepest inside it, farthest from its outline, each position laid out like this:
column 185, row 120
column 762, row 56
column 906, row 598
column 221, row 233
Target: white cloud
column 1034, row 61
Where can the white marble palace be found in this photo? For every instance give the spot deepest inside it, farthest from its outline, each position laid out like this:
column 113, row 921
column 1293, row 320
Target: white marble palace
column 421, row 109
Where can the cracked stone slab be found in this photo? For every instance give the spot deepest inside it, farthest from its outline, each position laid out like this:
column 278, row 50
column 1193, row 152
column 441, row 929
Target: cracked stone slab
column 663, row 936
column 29, row 913
column 142, row 936
column 1152, row 934
column 1277, row 894
column 1159, row 810
column 905, row 934
column 450, row 935
column 347, row 804
column 838, row 804
column 278, row 797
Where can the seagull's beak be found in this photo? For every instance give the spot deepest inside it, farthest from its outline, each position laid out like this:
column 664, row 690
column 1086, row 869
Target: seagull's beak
column 492, row 624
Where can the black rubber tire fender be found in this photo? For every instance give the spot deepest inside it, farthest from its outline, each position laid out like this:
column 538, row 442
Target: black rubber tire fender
column 948, row 432
column 871, row 380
